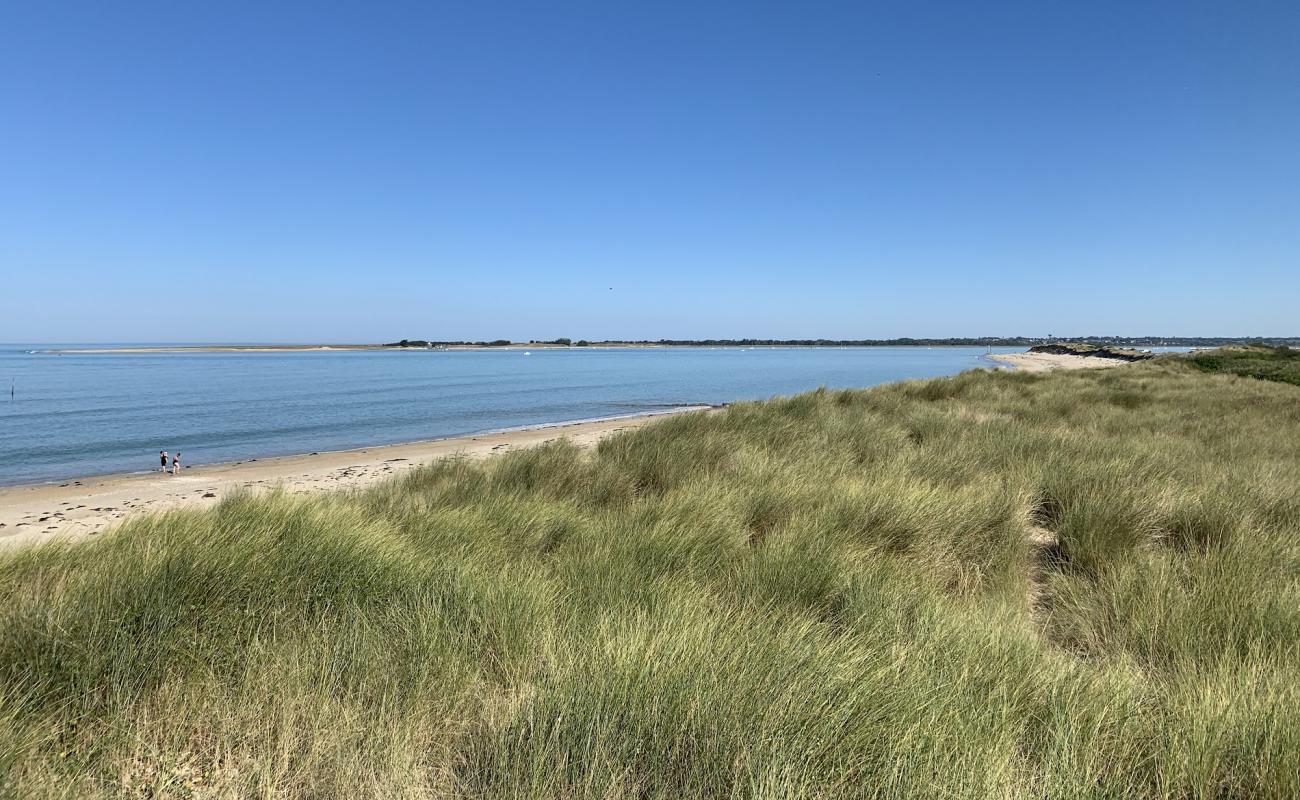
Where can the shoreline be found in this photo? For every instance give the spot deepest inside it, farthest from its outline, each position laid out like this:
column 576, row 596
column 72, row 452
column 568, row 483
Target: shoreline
column 339, row 348
column 68, row 481
column 82, row 507
column 77, row 508
column 1046, row 362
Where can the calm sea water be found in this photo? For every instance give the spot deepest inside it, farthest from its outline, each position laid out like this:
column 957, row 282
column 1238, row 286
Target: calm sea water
column 77, row 415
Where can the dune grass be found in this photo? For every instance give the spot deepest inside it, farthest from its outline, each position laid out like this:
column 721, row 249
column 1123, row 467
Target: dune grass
column 814, row 597
column 1266, row 363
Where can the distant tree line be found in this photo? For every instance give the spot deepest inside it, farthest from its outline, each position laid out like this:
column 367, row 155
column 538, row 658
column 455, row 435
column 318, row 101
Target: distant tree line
column 984, row 341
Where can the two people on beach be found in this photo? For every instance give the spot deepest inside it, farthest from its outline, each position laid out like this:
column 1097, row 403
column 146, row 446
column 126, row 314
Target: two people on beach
column 176, row 462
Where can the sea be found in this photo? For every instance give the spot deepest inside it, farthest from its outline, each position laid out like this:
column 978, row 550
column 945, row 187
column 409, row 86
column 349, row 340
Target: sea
column 72, row 415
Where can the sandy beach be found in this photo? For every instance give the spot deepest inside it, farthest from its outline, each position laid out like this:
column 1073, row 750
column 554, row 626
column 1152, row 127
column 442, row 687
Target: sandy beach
column 75, row 509
column 1044, row 362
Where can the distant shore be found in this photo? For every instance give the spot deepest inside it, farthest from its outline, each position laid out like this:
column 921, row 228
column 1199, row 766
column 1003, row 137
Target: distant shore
column 300, row 348
column 1134, row 344
column 74, row 509
column 303, row 348
column 218, row 348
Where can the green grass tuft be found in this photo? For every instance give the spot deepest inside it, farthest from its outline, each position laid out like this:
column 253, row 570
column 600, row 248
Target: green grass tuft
column 1265, row 363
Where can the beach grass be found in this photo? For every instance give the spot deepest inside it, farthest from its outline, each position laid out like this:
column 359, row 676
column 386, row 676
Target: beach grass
column 1078, row 584
column 1266, row 363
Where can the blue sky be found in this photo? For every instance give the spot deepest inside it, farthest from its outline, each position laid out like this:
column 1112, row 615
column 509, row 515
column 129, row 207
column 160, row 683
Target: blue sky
column 369, row 171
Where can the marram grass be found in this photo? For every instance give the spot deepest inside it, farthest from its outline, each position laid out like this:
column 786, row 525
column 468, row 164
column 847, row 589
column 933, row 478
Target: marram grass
column 832, row 595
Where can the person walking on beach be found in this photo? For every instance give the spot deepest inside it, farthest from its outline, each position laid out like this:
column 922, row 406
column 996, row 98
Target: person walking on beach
column 163, row 455
column 176, row 463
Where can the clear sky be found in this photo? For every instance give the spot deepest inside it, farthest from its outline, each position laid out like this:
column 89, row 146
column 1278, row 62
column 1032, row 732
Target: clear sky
column 368, row 171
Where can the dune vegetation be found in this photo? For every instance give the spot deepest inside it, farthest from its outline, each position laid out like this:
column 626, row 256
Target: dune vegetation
column 1266, row 363
column 1068, row 585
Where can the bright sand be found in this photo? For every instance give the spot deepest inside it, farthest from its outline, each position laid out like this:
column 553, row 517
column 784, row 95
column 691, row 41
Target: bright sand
column 1043, row 362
